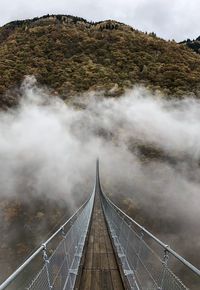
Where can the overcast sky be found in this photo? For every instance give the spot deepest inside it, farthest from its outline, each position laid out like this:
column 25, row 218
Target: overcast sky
column 170, row 19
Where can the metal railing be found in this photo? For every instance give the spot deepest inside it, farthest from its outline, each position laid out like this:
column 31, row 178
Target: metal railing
column 59, row 266
column 147, row 262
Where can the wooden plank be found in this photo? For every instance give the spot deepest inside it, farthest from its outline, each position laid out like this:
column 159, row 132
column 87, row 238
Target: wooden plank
column 108, row 244
column 104, row 265
column 106, row 280
column 96, row 264
column 112, row 261
column 102, row 243
column 116, row 280
column 88, row 261
column 86, row 280
column 96, row 281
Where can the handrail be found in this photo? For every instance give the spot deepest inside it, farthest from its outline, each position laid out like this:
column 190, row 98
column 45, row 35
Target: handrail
column 9, row 280
column 166, row 247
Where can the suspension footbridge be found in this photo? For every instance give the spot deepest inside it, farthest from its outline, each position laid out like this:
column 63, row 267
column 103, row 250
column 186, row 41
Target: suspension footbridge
column 100, row 247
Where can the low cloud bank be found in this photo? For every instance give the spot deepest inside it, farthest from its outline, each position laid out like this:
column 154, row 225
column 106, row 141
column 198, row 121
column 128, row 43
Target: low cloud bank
column 48, row 147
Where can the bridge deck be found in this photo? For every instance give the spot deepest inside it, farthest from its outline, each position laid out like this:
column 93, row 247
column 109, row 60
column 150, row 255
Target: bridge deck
column 100, row 270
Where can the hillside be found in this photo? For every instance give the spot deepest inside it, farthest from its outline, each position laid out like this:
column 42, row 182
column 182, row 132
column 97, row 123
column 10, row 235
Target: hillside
column 71, row 55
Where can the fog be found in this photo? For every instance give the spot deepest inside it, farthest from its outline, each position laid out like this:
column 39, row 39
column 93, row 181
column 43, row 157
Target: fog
column 48, row 147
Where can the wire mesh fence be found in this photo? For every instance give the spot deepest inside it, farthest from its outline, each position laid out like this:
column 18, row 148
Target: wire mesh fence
column 145, row 260
column 60, row 269
column 56, row 263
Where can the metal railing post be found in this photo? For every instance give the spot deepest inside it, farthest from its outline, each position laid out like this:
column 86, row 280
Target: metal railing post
column 127, row 240
column 65, row 249
column 120, row 230
column 46, row 260
column 164, row 263
column 139, row 249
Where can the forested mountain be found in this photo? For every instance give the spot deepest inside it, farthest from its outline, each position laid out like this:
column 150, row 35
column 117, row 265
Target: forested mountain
column 71, row 55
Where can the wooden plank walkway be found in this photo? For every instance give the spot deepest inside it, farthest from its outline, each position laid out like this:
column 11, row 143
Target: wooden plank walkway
column 100, row 270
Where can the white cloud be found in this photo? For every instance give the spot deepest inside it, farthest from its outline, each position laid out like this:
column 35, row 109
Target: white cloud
column 176, row 19
column 49, row 148
column 55, row 146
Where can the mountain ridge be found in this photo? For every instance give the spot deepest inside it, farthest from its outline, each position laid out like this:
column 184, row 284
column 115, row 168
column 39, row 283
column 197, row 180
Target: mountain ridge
column 193, row 44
